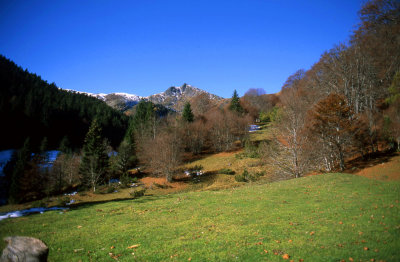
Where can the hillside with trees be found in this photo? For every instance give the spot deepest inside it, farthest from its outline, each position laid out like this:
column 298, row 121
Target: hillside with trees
column 307, row 174
column 31, row 107
column 347, row 105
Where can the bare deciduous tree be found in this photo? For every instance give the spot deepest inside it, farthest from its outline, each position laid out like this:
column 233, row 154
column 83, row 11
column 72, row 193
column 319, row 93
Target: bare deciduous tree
column 288, row 150
column 163, row 154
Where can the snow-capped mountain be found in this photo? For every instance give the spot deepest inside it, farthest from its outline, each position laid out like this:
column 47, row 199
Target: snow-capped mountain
column 100, row 96
column 120, row 101
column 173, row 98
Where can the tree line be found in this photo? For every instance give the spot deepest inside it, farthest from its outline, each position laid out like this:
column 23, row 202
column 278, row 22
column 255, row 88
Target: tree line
column 347, row 104
column 155, row 140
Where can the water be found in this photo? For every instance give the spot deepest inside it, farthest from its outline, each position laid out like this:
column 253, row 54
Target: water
column 253, row 128
column 20, row 213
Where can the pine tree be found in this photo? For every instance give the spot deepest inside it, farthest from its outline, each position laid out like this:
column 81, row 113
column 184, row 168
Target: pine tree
column 43, row 157
column 235, row 103
column 23, row 158
column 144, row 119
column 187, row 114
column 126, row 157
column 65, row 146
column 44, row 145
column 94, row 160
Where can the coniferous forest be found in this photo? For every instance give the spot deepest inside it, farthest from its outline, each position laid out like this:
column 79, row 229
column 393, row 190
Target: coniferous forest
column 31, row 107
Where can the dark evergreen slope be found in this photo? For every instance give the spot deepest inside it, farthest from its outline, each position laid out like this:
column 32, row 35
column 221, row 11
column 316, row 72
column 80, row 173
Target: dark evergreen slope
column 31, row 107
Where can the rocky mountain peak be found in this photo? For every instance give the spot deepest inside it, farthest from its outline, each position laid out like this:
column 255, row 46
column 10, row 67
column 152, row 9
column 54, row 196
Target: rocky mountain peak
column 174, row 97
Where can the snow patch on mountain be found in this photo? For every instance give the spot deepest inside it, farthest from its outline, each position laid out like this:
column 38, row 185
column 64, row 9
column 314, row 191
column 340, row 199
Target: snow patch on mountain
column 168, row 98
column 128, row 97
column 100, row 96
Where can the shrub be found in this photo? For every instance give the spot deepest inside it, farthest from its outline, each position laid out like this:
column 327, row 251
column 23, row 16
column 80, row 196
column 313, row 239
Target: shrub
column 110, row 189
column 242, row 177
column 40, row 203
column 125, row 180
column 240, row 155
column 264, row 117
column 137, row 192
column 226, row 171
column 261, row 173
column 250, row 149
column 246, row 176
column 62, row 201
column 195, row 168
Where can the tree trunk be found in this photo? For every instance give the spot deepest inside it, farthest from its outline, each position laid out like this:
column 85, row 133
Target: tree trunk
column 341, row 157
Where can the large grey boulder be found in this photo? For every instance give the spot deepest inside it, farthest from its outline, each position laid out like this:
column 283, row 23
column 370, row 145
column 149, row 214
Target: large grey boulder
column 24, row 249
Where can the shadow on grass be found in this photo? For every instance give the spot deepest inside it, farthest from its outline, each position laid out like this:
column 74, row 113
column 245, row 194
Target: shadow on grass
column 369, row 160
column 143, row 199
column 206, row 177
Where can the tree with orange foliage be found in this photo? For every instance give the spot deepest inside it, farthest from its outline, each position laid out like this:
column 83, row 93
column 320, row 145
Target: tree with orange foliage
column 392, row 117
column 331, row 122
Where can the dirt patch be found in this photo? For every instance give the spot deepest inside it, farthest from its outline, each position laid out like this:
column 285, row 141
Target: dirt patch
column 381, row 166
column 385, row 168
column 225, row 154
column 160, row 183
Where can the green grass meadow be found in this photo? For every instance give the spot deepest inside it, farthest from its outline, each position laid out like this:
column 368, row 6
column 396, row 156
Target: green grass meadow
column 318, row 218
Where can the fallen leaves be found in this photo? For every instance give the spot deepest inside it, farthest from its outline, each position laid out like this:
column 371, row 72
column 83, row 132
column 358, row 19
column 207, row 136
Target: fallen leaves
column 366, row 248
column 115, row 257
column 312, row 233
column 285, row 256
column 134, row 246
column 79, row 227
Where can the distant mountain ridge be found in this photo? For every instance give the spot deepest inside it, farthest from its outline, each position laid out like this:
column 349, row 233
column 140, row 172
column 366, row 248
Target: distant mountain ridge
column 172, row 98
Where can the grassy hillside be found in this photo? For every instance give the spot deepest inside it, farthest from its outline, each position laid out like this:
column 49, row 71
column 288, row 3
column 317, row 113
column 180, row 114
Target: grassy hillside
column 317, row 218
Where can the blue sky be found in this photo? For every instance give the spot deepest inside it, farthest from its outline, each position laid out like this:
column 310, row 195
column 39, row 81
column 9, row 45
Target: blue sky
column 143, row 47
